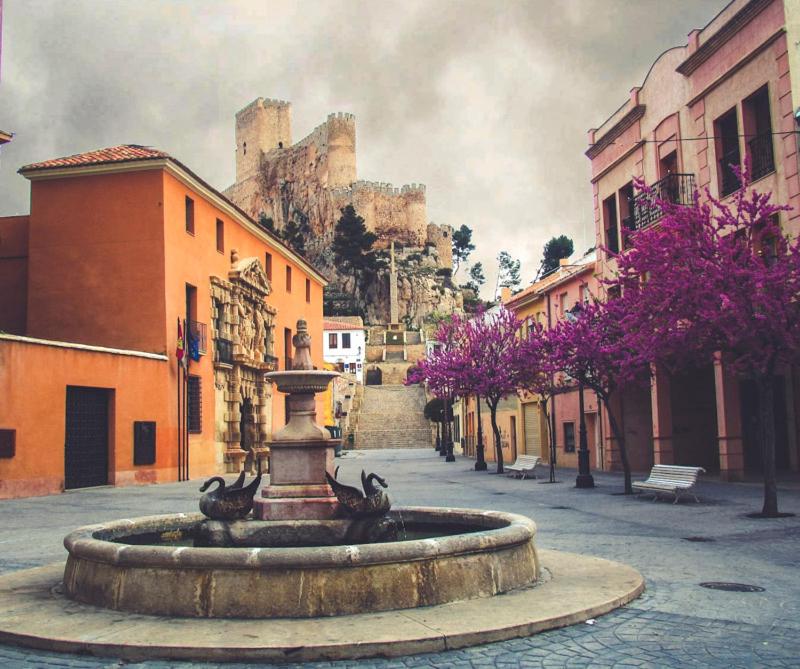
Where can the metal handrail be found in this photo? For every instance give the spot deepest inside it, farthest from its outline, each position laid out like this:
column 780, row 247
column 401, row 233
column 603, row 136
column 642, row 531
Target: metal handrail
column 762, row 156
column 674, row 188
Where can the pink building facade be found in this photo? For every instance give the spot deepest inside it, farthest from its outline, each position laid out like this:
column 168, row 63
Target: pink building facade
column 724, row 98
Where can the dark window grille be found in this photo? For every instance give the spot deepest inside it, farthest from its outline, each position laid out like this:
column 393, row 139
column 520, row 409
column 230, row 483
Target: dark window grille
column 308, row 290
column 194, row 418
column 224, row 350
column 674, row 188
column 762, row 157
column 333, row 340
column 345, row 340
column 569, row 437
column 144, row 442
column 8, row 443
column 189, row 215
column 220, row 236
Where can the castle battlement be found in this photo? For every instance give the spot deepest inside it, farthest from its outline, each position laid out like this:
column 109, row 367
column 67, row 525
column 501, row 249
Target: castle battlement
column 341, row 116
column 382, row 187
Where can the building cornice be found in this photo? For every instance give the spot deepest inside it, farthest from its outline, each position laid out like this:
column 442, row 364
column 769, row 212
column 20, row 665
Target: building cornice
column 722, row 36
column 738, row 66
column 615, row 131
column 82, row 347
column 188, row 178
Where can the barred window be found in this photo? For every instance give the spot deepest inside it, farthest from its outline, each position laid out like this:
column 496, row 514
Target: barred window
column 195, row 409
column 569, row 437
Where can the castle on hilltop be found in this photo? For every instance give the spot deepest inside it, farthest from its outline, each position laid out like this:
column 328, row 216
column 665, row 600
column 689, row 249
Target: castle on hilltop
column 310, row 181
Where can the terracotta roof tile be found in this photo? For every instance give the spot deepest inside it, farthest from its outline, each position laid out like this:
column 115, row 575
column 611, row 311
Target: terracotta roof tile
column 114, row 154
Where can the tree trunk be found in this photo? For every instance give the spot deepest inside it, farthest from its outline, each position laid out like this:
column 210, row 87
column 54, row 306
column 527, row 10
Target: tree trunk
column 480, row 462
column 498, row 447
column 623, row 453
column 766, row 425
column 438, row 438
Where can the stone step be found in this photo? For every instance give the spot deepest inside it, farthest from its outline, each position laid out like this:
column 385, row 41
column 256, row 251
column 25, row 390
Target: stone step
column 391, row 416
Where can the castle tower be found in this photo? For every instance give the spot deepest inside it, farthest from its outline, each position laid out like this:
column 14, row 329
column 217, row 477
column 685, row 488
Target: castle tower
column 341, row 150
column 262, row 126
column 441, row 236
column 413, row 197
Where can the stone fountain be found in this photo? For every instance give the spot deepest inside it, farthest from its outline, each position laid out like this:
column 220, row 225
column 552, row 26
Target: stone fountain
column 302, row 452
column 412, row 579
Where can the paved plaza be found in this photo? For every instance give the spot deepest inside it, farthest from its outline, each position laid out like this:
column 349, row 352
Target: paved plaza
column 676, row 623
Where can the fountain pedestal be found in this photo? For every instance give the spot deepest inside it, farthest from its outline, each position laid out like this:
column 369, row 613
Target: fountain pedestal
column 302, row 451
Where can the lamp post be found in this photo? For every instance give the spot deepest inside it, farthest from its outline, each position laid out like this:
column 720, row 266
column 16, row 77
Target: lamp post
column 584, row 478
column 448, row 445
column 480, row 462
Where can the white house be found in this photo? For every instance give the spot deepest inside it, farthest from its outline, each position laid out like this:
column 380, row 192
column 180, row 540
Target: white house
column 344, row 345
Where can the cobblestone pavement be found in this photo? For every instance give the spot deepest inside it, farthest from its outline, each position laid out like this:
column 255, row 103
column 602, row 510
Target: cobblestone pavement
column 675, row 623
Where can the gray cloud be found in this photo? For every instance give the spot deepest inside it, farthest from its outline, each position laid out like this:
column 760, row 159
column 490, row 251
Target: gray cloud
column 487, row 103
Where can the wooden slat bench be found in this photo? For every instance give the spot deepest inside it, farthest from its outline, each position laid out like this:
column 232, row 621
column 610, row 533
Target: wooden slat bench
column 524, row 464
column 674, row 479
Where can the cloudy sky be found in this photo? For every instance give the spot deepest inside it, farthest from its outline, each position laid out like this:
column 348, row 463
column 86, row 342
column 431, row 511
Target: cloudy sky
column 486, row 102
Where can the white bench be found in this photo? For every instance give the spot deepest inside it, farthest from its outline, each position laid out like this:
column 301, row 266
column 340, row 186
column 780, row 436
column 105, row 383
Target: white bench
column 524, row 465
column 674, row 479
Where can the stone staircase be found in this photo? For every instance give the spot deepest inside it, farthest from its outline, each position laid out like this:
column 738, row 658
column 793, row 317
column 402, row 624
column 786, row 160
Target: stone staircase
column 391, row 416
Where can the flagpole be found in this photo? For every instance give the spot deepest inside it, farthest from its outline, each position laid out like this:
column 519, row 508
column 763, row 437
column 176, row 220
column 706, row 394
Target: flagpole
column 178, row 384
column 186, row 403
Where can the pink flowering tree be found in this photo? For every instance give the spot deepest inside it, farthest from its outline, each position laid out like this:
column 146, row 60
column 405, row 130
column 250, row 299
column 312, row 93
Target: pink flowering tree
column 538, row 377
column 441, row 371
column 593, row 349
column 716, row 277
column 493, row 346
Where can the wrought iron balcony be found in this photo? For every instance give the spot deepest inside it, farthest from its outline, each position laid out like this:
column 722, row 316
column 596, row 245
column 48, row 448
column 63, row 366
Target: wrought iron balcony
column 762, row 157
column 223, row 351
column 674, row 188
column 198, row 331
column 729, row 182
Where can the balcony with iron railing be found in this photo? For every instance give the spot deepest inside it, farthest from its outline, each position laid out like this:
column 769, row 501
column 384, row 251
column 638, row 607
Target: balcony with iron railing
column 674, row 188
column 762, row 156
column 199, row 332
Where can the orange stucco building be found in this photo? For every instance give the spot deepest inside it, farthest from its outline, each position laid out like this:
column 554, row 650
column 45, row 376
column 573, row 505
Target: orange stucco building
column 120, row 246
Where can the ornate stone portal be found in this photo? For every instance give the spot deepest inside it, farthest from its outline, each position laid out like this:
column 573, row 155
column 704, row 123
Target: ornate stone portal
column 243, row 333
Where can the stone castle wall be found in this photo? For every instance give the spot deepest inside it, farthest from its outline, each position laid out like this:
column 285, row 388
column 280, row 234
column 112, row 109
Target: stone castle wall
column 314, row 178
column 310, row 181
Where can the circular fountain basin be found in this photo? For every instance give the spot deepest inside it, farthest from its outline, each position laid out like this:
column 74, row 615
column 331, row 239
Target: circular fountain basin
column 149, row 565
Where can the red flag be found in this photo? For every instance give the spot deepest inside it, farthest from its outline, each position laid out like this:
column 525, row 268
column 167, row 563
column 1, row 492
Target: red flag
column 180, row 347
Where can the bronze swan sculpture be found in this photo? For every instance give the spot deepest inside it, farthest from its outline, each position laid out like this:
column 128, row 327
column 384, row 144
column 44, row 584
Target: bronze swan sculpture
column 228, row 503
column 370, row 503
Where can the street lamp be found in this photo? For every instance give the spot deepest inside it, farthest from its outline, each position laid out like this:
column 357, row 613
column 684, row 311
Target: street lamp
column 584, row 478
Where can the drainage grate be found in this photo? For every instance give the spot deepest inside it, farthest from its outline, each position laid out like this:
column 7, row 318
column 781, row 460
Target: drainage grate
column 561, row 507
column 498, row 493
column 698, row 539
column 731, row 587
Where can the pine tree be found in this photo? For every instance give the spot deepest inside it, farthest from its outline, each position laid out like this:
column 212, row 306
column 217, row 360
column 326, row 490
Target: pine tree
column 352, row 243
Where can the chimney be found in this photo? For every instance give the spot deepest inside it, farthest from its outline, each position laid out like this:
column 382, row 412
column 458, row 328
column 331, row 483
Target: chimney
column 505, row 294
column 563, row 262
